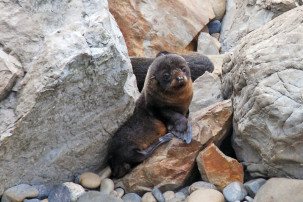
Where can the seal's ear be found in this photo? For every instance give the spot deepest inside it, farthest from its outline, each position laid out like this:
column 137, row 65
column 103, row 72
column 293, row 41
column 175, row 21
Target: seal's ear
column 163, row 53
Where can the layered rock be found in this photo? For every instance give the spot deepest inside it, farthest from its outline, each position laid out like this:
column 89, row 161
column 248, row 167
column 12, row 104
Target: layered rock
column 172, row 164
column 242, row 17
column 78, row 88
column 263, row 76
column 153, row 26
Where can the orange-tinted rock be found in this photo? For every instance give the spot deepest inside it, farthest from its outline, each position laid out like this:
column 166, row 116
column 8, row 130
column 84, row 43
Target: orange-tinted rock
column 212, row 123
column 217, row 168
column 152, row 26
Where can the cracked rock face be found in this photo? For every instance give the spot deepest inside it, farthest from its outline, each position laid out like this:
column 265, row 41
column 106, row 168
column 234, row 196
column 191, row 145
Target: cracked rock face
column 77, row 88
column 263, row 75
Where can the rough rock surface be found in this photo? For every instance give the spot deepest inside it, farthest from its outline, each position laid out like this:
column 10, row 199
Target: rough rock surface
column 171, row 165
column 280, row 190
column 218, row 8
column 244, row 16
column 155, row 25
column 78, row 88
column 217, row 168
column 264, row 77
column 207, row 44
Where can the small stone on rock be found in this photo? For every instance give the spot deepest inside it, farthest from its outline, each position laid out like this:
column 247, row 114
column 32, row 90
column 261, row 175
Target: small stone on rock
column 90, row 180
column 234, row 191
column 107, row 185
column 148, row 197
column 253, row 186
column 158, row 195
column 131, row 197
column 75, row 190
column 214, row 26
column 206, row 195
column 19, row 193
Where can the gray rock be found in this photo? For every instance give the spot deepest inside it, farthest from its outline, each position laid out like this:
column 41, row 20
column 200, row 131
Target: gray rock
column 90, row 180
column 207, row 44
column 95, row 196
column 249, row 199
column 234, row 191
column 31, row 200
column 242, row 17
column 280, row 190
column 253, row 186
column 107, row 186
column 214, row 26
column 44, row 191
column 185, row 191
column 201, row 185
column 19, row 193
column 266, row 88
column 168, row 195
column 148, row 197
column 78, row 89
column 180, row 195
column 60, row 194
column 120, row 192
column 158, row 195
column 131, row 197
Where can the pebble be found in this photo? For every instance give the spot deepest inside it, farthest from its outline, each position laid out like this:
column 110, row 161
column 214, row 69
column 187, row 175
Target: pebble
column 176, row 200
column 253, row 186
column 105, row 173
column 96, row 196
column 90, row 180
column 206, row 195
column 201, row 185
column 131, row 197
column 60, row 194
column 249, row 199
column 31, row 200
column 148, row 197
column 180, row 195
column 214, row 26
column 185, row 191
column 107, row 186
column 44, row 191
column 158, row 195
column 19, row 193
column 234, row 191
column 168, row 195
column 75, row 190
column 120, row 192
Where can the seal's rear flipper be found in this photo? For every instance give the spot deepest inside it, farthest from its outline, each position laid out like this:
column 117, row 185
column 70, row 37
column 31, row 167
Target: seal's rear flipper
column 150, row 150
column 186, row 136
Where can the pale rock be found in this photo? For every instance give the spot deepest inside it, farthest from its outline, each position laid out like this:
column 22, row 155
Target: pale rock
column 201, row 185
column 217, row 168
column 96, row 196
column 105, row 173
column 212, row 123
column 155, row 25
column 209, row 195
column 148, row 197
column 131, row 197
column 263, row 76
column 120, row 192
column 107, row 186
column 90, row 180
column 77, row 90
column 253, row 186
column 75, row 190
column 219, row 7
column 235, row 191
column 207, row 44
column 244, row 16
column 19, row 193
column 218, row 61
column 168, row 195
column 280, row 190
column 207, row 91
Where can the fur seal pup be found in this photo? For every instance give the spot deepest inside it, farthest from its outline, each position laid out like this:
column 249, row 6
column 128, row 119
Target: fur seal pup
column 160, row 111
column 197, row 62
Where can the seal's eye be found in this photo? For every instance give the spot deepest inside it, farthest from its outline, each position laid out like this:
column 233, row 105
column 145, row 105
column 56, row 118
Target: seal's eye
column 166, row 76
column 184, row 69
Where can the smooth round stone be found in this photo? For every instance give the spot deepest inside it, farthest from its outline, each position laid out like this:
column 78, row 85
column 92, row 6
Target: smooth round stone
column 253, row 186
column 96, row 196
column 206, row 195
column 234, row 191
column 201, row 185
column 105, row 173
column 44, row 191
column 168, row 195
column 59, row 193
column 214, row 26
column 75, row 190
column 120, row 192
column 131, row 197
column 158, row 195
column 90, row 180
column 148, row 197
column 31, row 200
column 180, row 195
column 19, row 193
column 107, row 186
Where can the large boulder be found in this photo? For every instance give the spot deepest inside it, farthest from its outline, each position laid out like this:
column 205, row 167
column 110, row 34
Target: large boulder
column 244, row 16
column 78, row 88
column 153, row 26
column 263, row 75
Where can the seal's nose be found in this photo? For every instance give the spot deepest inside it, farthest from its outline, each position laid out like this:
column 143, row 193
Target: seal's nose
column 180, row 79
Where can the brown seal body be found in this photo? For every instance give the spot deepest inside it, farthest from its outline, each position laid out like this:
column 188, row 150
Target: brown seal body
column 161, row 108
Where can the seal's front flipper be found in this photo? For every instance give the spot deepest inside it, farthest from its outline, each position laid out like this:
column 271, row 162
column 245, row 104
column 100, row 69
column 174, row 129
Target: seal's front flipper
column 186, row 135
column 144, row 154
